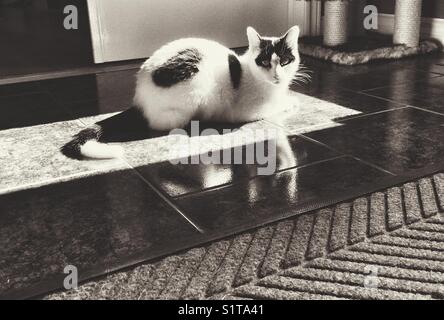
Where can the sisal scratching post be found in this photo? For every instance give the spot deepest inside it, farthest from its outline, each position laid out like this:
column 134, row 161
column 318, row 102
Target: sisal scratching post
column 336, row 22
column 407, row 22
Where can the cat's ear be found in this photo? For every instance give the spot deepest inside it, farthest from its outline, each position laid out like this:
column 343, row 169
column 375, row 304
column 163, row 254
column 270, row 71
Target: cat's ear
column 292, row 36
column 254, row 39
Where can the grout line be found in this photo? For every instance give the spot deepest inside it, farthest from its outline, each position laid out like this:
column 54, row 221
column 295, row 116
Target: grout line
column 427, row 110
column 432, row 76
column 362, row 115
column 349, row 155
column 378, row 97
column 166, row 198
column 302, row 129
column 373, row 165
column 406, row 105
column 320, row 143
column 251, row 178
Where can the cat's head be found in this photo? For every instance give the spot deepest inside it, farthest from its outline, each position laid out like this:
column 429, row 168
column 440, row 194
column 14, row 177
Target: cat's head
column 274, row 59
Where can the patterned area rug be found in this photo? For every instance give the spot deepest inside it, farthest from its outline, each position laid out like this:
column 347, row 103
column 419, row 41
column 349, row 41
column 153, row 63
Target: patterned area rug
column 364, row 50
column 387, row 245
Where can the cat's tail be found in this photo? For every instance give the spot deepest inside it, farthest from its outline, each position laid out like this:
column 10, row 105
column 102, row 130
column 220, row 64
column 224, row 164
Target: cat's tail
column 91, row 142
column 85, row 144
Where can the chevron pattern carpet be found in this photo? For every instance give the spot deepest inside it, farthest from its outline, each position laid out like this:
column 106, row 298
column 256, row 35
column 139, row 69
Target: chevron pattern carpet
column 388, row 245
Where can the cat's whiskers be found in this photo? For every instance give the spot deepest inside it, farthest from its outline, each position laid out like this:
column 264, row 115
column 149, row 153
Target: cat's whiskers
column 304, row 79
column 303, row 75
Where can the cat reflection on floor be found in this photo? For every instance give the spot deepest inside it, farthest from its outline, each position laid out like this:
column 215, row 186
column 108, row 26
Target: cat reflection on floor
column 209, row 175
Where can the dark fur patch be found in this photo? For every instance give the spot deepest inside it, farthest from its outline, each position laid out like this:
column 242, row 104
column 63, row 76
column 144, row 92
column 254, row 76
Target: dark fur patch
column 269, row 47
column 179, row 68
column 235, row 70
column 267, row 50
column 72, row 148
column 129, row 125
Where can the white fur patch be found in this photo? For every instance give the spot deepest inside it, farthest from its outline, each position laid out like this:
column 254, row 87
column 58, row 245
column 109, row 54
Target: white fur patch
column 98, row 150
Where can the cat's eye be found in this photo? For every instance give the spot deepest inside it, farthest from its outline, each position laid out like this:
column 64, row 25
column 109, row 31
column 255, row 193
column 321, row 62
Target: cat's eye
column 265, row 63
column 285, row 61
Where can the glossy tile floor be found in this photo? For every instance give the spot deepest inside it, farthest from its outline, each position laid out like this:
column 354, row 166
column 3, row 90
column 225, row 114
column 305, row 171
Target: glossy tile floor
column 356, row 130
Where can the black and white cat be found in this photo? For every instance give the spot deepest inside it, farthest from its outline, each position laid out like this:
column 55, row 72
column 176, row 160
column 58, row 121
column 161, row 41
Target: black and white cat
column 198, row 79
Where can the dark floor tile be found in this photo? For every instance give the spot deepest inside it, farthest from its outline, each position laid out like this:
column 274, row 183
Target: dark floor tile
column 357, row 101
column 28, row 110
column 72, row 89
column 427, row 94
column 328, row 77
column 399, row 140
column 440, row 58
column 95, row 107
column 196, row 173
column 268, row 198
column 435, row 68
column 20, row 89
column 96, row 224
column 100, row 86
column 430, row 63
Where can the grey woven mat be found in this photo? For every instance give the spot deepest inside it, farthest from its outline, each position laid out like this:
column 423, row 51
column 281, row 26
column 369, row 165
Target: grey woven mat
column 387, row 245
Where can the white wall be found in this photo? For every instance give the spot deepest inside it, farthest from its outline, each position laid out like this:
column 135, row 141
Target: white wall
column 129, row 29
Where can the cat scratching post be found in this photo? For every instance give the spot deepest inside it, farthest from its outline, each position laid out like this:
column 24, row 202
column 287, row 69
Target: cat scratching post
column 407, row 22
column 336, row 22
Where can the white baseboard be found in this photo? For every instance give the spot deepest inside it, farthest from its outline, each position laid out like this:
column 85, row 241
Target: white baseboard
column 430, row 27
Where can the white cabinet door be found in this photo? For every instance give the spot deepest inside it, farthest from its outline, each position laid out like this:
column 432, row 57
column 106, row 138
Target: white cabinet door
column 130, row 29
